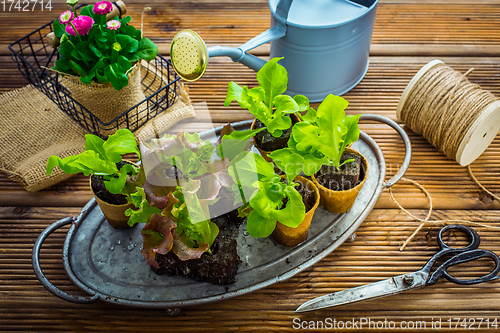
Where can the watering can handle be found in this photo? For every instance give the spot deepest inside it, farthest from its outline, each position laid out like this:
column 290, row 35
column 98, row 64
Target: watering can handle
column 278, row 31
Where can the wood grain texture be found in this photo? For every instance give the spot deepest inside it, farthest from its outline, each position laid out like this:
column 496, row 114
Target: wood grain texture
column 407, row 34
column 401, row 27
column 378, row 93
column 372, row 257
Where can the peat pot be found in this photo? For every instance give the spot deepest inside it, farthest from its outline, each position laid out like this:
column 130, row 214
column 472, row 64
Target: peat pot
column 114, row 214
column 287, row 236
column 339, row 202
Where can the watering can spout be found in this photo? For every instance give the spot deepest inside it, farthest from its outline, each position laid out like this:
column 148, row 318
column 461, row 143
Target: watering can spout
column 190, row 55
column 237, row 55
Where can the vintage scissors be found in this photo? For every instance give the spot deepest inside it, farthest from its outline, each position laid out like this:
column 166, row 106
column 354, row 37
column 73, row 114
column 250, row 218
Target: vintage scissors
column 418, row 279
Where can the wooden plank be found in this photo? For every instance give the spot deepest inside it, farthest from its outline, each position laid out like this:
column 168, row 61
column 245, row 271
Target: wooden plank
column 401, row 28
column 447, row 182
column 26, row 305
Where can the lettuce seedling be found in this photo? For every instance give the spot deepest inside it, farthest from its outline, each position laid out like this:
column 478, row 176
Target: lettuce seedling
column 100, row 158
column 183, row 226
column 187, row 153
column 320, row 139
column 266, row 101
column 263, row 195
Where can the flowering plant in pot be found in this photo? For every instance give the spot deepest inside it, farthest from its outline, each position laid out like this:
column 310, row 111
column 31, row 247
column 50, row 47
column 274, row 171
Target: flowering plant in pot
column 273, row 204
column 100, row 60
column 272, row 110
column 113, row 180
column 318, row 146
column 100, row 50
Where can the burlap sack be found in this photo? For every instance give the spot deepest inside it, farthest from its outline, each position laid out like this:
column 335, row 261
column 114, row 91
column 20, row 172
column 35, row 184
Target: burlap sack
column 32, row 128
column 102, row 100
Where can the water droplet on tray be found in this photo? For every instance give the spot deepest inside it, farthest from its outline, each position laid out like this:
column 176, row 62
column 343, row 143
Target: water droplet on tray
column 245, row 233
column 111, row 248
column 118, row 242
column 130, row 247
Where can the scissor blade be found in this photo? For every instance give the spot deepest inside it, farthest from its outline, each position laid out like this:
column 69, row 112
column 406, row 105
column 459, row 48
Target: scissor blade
column 382, row 288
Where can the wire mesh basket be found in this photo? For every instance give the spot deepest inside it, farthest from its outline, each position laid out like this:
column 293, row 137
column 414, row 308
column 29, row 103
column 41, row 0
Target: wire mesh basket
column 160, row 84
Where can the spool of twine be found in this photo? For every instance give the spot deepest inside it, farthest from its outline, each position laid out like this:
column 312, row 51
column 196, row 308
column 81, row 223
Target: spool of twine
column 456, row 116
column 453, row 114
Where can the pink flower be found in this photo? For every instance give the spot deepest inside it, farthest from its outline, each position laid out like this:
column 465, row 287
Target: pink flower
column 103, row 7
column 66, row 17
column 82, row 23
column 113, row 24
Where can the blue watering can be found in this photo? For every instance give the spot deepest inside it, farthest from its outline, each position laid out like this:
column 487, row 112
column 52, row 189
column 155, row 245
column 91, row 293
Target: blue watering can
column 325, row 45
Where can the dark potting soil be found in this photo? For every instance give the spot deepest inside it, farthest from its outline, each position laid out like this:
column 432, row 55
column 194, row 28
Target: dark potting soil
column 218, row 268
column 102, row 193
column 267, row 142
column 349, row 175
column 306, row 194
column 225, row 214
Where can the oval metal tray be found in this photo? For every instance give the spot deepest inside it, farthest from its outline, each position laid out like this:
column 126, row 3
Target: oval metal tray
column 107, row 263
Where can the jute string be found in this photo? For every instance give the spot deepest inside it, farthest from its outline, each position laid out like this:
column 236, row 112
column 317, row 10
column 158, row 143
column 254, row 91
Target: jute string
column 442, row 106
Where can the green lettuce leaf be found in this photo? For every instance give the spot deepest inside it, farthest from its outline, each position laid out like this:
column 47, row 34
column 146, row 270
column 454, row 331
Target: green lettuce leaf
column 143, row 211
column 302, row 101
column 234, row 143
column 192, row 217
column 261, row 101
column 294, row 212
column 258, row 226
column 121, row 143
column 352, row 135
column 279, row 121
column 288, row 161
column 115, row 184
column 260, row 188
column 87, row 162
column 273, row 79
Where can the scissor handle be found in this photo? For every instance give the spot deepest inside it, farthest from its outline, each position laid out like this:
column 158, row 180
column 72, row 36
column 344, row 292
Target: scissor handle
column 471, row 233
column 465, row 257
column 446, row 249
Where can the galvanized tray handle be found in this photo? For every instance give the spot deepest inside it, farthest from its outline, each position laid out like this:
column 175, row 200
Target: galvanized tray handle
column 406, row 140
column 35, row 259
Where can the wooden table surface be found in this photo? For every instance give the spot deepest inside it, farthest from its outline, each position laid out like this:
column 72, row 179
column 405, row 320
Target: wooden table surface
column 407, row 34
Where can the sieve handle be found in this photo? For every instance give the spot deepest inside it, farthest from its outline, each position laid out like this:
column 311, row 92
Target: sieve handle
column 406, row 162
column 35, row 258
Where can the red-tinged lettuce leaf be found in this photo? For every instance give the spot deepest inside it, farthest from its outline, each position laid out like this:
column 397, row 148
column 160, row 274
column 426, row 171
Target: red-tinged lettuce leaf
column 217, row 177
column 190, row 141
column 151, row 259
column 226, row 130
column 167, row 145
column 157, row 238
column 167, row 211
column 158, row 196
column 160, row 176
column 185, row 252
